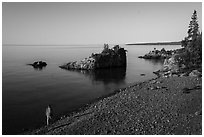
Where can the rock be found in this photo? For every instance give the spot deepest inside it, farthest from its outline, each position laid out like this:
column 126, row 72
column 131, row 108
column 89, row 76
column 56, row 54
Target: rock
column 186, row 90
column 195, row 73
column 198, row 113
column 158, row 82
column 155, row 87
column 142, row 74
column 174, row 75
column 39, row 64
column 171, row 64
column 183, row 74
column 156, row 54
column 158, row 73
column 153, row 82
column 108, row 58
column 170, row 68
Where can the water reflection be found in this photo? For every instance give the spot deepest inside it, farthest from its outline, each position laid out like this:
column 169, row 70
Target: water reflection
column 39, row 68
column 115, row 75
column 155, row 61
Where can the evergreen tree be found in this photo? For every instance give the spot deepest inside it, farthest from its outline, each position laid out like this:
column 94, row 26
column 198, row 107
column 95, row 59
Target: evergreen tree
column 192, row 54
column 193, row 30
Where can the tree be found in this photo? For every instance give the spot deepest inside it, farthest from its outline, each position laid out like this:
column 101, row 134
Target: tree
column 191, row 57
column 193, row 30
column 105, row 48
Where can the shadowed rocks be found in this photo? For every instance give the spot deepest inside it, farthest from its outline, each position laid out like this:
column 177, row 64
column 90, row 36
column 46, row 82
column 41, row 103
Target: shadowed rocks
column 38, row 65
column 108, row 58
column 157, row 54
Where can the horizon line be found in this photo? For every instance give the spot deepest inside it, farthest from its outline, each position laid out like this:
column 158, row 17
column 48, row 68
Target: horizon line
column 12, row 44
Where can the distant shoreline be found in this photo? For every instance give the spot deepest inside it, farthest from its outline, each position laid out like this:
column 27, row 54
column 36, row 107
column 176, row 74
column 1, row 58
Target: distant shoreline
column 157, row 43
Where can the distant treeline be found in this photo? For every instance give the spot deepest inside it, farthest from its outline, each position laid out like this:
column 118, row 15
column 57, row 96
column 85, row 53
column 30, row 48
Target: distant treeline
column 158, row 43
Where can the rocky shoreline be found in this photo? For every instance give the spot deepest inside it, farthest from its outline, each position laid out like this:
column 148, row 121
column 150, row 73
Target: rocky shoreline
column 158, row 54
column 159, row 106
column 167, row 105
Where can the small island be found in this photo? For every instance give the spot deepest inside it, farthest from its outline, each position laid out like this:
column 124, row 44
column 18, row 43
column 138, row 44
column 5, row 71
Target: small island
column 158, row 54
column 39, row 65
column 108, row 58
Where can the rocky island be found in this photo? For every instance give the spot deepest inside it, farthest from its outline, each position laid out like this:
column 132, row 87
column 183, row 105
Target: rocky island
column 38, row 65
column 108, row 58
column 158, row 54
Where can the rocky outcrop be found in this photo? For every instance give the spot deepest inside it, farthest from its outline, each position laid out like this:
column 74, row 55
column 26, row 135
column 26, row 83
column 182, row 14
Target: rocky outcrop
column 158, row 54
column 108, row 58
column 85, row 64
column 170, row 67
column 171, row 64
column 39, row 64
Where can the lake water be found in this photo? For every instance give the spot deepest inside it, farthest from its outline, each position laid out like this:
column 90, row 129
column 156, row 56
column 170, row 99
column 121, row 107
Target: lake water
column 26, row 92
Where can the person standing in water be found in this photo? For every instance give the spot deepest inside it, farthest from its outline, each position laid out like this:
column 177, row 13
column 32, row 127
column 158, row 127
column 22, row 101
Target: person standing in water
column 48, row 114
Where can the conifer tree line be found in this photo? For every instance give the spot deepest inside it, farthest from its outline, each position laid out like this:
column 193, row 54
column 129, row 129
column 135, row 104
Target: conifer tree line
column 191, row 56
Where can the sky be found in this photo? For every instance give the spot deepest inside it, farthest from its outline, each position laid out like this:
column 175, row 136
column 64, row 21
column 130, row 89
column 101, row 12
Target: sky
column 96, row 23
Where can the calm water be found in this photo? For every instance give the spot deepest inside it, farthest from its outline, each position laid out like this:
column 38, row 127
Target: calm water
column 26, row 92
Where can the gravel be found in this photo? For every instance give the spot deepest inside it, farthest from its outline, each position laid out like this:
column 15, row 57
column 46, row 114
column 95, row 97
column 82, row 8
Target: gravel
column 159, row 106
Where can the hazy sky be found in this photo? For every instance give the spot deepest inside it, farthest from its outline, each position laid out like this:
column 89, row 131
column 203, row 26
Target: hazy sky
column 96, row 23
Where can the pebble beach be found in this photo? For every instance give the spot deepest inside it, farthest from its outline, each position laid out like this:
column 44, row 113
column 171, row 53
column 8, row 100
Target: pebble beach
column 160, row 106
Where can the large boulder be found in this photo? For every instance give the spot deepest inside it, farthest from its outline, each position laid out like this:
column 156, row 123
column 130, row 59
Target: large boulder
column 170, row 67
column 171, row 64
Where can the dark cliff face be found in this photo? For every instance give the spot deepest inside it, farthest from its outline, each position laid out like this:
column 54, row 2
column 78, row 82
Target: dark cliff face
column 111, row 59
